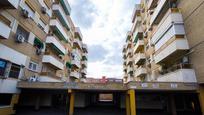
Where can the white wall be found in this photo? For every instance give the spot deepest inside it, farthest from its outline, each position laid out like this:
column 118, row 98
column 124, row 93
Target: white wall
column 8, row 86
column 12, row 55
column 181, row 75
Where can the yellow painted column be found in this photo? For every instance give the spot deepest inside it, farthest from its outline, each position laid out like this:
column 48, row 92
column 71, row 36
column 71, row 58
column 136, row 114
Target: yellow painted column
column 14, row 101
column 132, row 102
column 201, row 98
column 71, row 105
column 127, row 101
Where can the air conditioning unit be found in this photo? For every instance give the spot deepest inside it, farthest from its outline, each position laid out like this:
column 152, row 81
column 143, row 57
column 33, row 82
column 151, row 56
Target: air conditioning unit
column 185, row 60
column 20, row 38
column 25, row 13
column 43, row 10
column 38, row 51
column 150, row 12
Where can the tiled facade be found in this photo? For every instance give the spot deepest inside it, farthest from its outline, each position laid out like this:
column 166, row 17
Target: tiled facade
column 38, row 41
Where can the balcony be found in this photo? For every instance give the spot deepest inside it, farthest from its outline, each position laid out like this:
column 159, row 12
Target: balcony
column 85, row 48
column 75, row 74
column 136, row 12
column 84, row 63
column 78, row 43
column 84, row 56
column 53, row 61
column 84, row 71
column 59, row 30
column 140, row 58
column 59, row 12
column 13, row 4
column 158, row 13
column 76, row 63
column 129, row 70
column 152, row 4
column 140, row 72
column 4, row 30
column 66, row 6
column 169, row 38
column 77, row 54
column 78, row 32
column 124, row 68
column 129, row 52
column 139, row 46
column 129, row 60
column 180, row 73
column 55, row 44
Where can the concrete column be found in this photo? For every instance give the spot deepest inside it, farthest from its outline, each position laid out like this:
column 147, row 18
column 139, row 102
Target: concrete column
column 132, row 102
column 37, row 103
column 172, row 105
column 14, row 100
column 71, row 106
column 127, row 101
column 201, row 98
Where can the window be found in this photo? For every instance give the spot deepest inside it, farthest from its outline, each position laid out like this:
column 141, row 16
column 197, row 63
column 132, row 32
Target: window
column 23, row 32
column 14, row 71
column 30, row 10
column 41, row 25
column 2, row 67
column 33, row 66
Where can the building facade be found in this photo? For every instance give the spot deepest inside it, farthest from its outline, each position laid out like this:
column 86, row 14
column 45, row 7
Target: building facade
column 166, row 43
column 37, row 42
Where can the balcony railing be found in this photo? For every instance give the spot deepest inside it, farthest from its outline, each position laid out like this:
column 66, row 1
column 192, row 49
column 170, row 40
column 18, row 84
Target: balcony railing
column 84, row 71
column 166, row 36
column 66, row 6
column 136, row 11
column 129, row 52
column 78, row 32
column 139, row 46
column 59, row 30
column 152, row 4
column 4, row 30
column 129, row 69
column 157, row 11
column 129, row 60
column 75, row 74
column 53, row 61
column 141, row 71
column 57, row 9
column 178, row 73
column 84, row 63
column 140, row 58
column 55, row 44
column 76, row 63
column 78, row 42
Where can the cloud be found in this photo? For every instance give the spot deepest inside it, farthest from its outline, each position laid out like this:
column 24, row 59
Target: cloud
column 84, row 13
column 104, row 24
column 96, row 53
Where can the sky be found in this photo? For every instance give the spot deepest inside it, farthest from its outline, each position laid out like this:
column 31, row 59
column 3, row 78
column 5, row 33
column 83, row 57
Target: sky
column 104, row 24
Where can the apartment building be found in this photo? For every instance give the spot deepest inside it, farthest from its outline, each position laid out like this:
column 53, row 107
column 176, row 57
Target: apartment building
column 38, row 41
column 167, row 42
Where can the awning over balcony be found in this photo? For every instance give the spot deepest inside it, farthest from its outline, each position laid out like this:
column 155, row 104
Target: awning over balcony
column 59, row 30
column 38, row 43
column 68, row 64
column 66, row 6
column 57, row 9
column 56, row 45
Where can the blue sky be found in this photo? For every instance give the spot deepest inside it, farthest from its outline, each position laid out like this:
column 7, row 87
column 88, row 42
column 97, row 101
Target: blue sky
column 104, row 24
